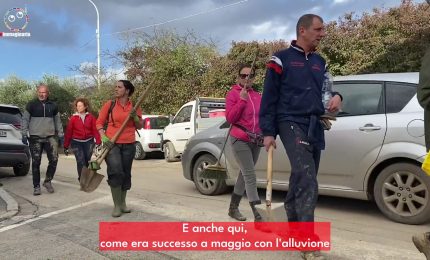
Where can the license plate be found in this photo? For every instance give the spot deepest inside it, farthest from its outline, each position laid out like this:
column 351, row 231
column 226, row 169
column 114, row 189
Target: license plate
column 3, row 133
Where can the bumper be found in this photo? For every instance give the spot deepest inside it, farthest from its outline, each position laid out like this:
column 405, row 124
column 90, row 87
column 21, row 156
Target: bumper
column 12, row 155
column 186, row 165
column 151, row 147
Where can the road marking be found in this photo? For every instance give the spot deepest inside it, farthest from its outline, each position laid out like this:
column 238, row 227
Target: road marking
column 47, row 215
column 78, row 186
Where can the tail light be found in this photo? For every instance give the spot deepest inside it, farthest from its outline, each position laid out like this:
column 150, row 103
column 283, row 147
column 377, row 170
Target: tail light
column 147, row 123
column 154, row 145
column 17, row 125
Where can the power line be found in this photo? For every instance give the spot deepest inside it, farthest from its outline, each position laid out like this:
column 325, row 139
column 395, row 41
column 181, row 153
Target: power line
column 148, row 26
column 176, row 19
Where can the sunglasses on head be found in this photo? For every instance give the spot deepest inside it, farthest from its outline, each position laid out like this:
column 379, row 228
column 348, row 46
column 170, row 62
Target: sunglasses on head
column 243, row 76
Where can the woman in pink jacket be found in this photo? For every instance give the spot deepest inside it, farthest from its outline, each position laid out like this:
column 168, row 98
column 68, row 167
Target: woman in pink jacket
column 242, row 109
column 81, row 133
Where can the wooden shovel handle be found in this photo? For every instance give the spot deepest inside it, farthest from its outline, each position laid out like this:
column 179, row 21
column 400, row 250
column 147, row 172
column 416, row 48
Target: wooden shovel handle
column 124, row 124
column 269, row 176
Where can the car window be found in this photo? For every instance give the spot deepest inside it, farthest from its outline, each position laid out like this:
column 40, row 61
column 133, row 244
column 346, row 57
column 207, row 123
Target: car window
column 10, row 115
column 360, row 98
column 184, row 115
column 225, row 125
column 159, row 122
column 206, row 106
column 398, row 95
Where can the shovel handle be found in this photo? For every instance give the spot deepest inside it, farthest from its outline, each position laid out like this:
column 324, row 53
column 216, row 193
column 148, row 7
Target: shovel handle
column 269, row 176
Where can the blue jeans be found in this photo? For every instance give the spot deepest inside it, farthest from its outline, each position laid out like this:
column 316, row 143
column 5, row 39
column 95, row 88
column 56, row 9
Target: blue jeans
column 304, row 157
column 83, row 152
column 119, row 162
column 37, row 146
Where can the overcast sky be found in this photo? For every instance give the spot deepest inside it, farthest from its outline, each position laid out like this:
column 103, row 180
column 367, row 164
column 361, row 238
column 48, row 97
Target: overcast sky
column 63, row 32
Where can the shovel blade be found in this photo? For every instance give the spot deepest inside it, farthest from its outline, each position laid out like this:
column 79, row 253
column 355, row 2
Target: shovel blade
column 94, row 182
column 90, row 180
column 85, row 178
column 273, row 213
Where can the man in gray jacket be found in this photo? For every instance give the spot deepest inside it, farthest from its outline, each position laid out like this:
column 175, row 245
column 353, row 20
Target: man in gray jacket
column 42, row 129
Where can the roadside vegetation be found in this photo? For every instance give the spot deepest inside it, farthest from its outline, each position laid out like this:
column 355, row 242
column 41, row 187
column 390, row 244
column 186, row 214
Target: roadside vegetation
column 180, row 67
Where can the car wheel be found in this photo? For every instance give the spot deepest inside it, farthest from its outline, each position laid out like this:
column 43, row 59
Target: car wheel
column 402, row 193
column 140, row 153
column 203, row 185
column 169, row 152
column 21, row 170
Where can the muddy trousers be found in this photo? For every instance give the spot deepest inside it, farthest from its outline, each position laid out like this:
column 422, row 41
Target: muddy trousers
column 246, row 155
column 82, row 152
column 119, row 162
column 37, row 146
column 304, row 157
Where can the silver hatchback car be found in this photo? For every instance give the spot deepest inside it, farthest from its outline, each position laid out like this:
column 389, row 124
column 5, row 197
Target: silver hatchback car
column 373, row 151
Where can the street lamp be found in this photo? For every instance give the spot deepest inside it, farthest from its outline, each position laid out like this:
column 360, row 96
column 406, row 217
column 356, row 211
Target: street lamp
column 98, row 44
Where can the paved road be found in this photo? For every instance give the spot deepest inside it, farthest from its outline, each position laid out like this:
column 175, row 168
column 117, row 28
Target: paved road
column 64, row 225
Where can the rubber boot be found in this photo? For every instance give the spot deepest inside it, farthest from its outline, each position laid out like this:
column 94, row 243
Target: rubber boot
column 233, row 210
column 258, row 220
column 124, row 208
column 116, row 196
column 257, row 216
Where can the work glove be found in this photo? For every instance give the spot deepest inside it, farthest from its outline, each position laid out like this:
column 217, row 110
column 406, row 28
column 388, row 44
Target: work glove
column 107, row 142
column 66, row 151
column 135, row 117
column 326, row 121
column 326, row 124
column 25, row 140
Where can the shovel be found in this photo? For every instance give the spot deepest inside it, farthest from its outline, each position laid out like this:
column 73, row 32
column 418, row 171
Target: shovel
column 90, row 179
column 269, row 211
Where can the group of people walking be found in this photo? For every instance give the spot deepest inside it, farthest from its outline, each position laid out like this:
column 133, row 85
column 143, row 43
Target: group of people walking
column 42, row 130
column 290, row 106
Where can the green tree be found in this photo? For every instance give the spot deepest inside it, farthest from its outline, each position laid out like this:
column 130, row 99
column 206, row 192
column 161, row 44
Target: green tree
column 19, row 92
column 16, row 91
column 173, row 64
column 244, row 52
column 387, row 40
column 182, row 67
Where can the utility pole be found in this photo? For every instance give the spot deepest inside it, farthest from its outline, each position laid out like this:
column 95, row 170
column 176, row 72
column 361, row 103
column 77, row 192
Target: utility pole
column 98, row 44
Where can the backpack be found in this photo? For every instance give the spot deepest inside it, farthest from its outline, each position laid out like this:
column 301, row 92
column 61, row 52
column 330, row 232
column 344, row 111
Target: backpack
column 112, row 105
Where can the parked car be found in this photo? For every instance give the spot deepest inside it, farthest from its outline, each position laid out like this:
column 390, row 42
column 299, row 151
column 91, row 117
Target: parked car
column 373, row 151
column 149, row 140
column 13, row 153
column 191, row 118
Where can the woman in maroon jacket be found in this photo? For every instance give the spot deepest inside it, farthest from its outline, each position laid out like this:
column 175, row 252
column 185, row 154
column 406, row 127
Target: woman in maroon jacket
column 80, row 134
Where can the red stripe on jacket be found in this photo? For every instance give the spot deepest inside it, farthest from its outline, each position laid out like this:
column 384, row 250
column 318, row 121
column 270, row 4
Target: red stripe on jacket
column 275, row 67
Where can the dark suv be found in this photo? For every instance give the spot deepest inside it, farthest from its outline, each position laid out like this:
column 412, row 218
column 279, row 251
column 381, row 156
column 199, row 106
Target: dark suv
column 13, row 153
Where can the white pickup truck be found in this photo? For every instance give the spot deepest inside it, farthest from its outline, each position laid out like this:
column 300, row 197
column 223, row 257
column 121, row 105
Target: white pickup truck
column 193, row 117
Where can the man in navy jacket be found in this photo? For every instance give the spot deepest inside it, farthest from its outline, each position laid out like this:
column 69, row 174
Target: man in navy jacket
column 291, row 106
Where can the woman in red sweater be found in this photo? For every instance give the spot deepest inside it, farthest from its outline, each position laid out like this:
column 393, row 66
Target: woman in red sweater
column 80, row 134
